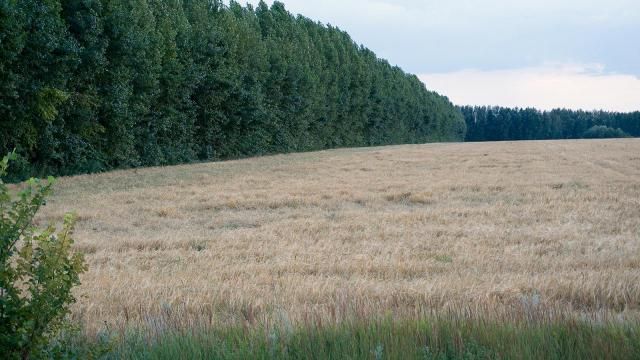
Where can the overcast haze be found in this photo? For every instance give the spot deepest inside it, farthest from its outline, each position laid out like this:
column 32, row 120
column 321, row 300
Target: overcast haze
column 576, row 54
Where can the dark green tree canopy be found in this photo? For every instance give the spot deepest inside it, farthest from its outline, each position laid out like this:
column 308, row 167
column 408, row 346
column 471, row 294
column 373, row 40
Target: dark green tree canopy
column 497, row 124
column 92, row 85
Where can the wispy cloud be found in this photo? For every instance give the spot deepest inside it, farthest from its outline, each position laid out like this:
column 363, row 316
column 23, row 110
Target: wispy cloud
column 576, row 86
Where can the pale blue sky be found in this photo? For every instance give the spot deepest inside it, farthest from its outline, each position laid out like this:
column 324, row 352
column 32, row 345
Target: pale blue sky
column 581, row 52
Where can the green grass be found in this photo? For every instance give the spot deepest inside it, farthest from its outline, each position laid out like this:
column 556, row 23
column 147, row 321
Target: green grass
column 383, row 339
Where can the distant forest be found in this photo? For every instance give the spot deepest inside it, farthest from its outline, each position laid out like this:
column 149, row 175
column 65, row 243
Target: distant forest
column 93, row 85
column 498, row 124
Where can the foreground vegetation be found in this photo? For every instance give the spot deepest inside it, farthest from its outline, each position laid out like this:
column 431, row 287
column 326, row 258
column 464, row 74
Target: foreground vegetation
column 89, row 86
column 38, row 270
column 431, row 338
column 403, row 255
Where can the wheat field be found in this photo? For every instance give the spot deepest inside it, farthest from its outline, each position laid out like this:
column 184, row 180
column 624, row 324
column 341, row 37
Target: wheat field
column 546, row 229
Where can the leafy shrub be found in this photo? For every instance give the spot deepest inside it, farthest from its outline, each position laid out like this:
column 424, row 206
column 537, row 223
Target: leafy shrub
column 38, row 269
column 604, row 132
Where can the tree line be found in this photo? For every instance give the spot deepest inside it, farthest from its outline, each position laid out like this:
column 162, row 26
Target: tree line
column 499, row 123
column 93, row 85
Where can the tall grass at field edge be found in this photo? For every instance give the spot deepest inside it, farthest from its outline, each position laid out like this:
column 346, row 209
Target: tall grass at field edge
column 385, row 339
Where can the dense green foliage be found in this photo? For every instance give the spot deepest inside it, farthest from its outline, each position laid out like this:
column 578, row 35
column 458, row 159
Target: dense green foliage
column 498, row 123
column 38, row 269
column 604, row 132
column 435, row 338
column 91, row 85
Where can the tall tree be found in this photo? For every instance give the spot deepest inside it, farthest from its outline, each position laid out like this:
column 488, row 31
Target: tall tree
column 91, row 85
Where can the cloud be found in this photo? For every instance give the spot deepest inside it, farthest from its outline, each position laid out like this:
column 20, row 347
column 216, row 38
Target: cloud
column 574, row 86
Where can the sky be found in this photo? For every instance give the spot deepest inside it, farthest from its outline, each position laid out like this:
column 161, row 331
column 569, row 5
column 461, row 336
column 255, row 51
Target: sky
column 579, row 54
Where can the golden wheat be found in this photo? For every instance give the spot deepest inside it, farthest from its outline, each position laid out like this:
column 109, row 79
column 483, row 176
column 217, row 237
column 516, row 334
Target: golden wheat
column 322, row 236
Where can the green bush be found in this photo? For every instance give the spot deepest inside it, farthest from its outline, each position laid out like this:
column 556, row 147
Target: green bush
column 38, row 269
column 604, row 132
